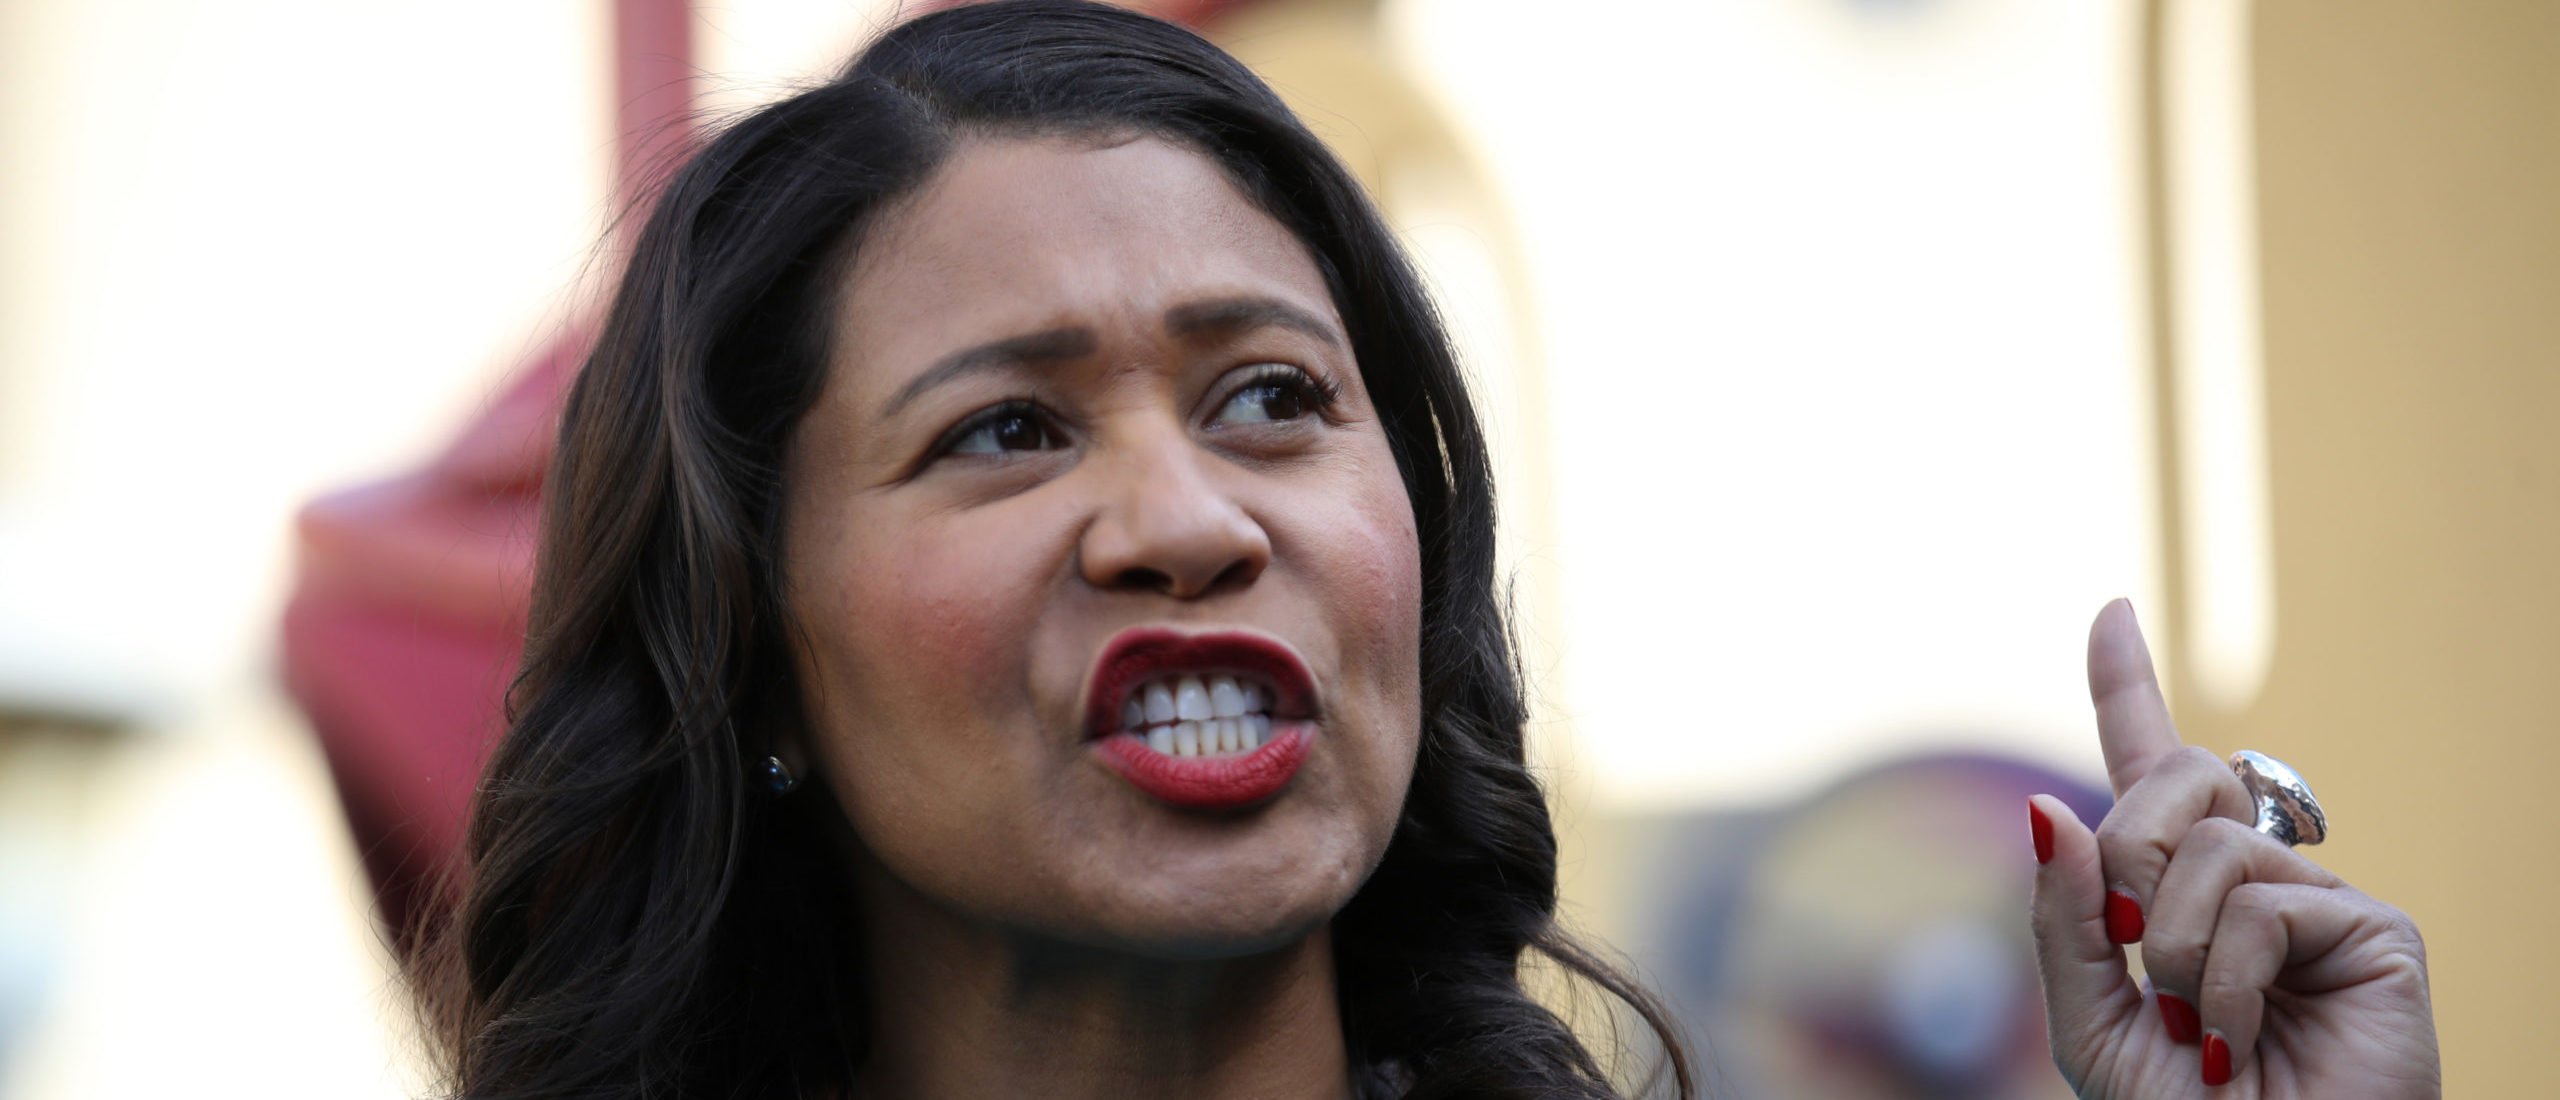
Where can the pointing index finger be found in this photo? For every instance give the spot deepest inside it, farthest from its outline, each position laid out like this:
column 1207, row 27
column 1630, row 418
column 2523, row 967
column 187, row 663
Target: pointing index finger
column 2133, row 720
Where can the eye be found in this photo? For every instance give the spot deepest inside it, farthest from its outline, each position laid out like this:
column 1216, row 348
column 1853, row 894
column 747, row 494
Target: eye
column 1275, row 393
column 1008, row 428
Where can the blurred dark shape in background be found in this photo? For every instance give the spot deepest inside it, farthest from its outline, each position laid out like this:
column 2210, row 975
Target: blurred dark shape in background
column 1867, row 942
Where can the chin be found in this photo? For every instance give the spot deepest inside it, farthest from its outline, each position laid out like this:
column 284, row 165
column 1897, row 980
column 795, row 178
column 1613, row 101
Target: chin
column 1221, row 906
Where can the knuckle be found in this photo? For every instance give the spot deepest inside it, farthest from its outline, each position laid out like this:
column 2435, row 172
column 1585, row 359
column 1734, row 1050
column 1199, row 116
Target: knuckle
column 2121, row 837
column 2222, row 987
column 2223, row 834
column 2131, row 860
column 2252, row 904
column 2402, row 930
column 2111, row 840
column 2215, row 774
column 2198, row 758
column 2175, row 956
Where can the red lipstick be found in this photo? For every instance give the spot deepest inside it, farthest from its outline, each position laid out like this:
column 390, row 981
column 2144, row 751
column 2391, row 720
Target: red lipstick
column 1135, row 658
column 1211, row 783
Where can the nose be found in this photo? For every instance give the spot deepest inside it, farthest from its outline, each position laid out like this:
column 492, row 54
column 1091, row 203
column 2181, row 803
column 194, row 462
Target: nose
column 1165, row 523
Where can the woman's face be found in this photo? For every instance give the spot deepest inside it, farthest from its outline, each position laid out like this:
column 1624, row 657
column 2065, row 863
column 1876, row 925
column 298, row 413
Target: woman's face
column 1092, row 429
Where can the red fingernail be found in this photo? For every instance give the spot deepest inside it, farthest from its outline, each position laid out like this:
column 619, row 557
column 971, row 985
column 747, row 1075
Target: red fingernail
column 2124, row 917
column 2217, row 1059
column 2180, row 1017
column 2043, row 831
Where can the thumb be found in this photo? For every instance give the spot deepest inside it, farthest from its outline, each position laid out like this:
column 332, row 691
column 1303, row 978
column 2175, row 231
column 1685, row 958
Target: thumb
column 2087, row 994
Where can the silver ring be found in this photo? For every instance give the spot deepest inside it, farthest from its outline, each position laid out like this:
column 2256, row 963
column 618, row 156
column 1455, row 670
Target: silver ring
column 2286, row 809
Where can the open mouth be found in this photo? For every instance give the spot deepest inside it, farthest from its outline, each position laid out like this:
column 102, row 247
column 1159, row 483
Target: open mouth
column 1188, row 715
column 1201, row 721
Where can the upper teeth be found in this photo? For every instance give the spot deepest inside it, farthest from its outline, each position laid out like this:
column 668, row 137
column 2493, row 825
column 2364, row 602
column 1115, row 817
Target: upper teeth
column 1199, row 716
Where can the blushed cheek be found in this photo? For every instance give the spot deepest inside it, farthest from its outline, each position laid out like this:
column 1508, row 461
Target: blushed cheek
column 1380, row 575
column 920, row 640
column 1395, row 557
column 1377, row 601
column 942, row 625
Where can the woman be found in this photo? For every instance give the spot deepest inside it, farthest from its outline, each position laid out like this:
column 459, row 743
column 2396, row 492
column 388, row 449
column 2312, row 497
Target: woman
column 1018, row 618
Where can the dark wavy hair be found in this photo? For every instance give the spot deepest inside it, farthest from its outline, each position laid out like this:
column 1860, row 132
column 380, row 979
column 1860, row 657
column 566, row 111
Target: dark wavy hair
column 631, row 920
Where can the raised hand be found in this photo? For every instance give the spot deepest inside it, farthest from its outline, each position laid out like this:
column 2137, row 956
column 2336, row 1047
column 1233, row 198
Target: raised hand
column 2270, row 977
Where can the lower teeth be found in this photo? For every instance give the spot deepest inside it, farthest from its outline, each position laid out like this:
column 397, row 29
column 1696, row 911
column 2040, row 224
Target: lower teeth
column 1213, row 737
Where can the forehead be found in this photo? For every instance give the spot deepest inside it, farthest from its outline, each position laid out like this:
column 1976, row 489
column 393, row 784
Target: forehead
column 1014, row 235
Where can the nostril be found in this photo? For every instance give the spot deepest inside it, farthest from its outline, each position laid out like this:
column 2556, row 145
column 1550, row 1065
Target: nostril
column 1235, row 575
column 1150, row 579
column 1140, row 576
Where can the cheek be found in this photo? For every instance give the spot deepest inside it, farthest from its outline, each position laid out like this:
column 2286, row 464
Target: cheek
column 1378, row 585
column 1383, row 570
column 909, row 623
column 1373, row 576
column 915, row 651
column 917, row 643
column 947, row 612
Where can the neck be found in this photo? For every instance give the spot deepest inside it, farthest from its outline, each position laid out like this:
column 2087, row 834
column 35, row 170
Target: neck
column 962, row 1009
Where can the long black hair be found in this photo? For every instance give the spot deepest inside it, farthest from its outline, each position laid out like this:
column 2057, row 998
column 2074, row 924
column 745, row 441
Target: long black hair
column 631, row 922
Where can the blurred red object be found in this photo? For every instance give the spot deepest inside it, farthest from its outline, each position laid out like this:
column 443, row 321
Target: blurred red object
column 408, row 613
column 406, row 624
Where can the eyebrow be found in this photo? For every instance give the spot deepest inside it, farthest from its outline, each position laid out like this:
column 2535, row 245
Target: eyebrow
column 1050, row 346
column 1190, row 321
column 1228, row 316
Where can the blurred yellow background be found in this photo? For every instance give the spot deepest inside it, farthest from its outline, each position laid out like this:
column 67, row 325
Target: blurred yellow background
column 1845, row 356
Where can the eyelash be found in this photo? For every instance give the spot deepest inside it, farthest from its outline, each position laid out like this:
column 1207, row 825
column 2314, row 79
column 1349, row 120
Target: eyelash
column 1319, row 394
column 990, row 417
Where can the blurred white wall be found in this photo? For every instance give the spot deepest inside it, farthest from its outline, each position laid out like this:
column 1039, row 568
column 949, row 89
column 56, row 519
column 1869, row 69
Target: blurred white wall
column 250, row 250
column 1844, row 328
